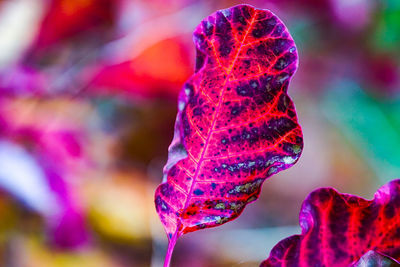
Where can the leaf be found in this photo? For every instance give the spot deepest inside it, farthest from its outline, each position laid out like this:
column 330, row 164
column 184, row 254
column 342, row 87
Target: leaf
column 235, row 126
column 65, row 19
column 383, row 36
column 375, row 259
column 158, row 71
column 338, row 229
column 56, row 153
column 43, row 191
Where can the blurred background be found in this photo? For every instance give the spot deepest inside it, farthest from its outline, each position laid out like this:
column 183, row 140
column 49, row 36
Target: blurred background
column 88, row 93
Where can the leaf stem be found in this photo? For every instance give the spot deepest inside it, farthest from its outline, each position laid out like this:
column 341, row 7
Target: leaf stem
column 171, row 246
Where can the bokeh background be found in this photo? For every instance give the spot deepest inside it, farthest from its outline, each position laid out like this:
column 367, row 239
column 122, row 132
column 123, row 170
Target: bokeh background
column 88, row 93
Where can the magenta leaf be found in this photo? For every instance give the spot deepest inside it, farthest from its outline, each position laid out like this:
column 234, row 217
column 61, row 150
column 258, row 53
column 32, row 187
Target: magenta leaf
column 235, row 126
column 338, row 229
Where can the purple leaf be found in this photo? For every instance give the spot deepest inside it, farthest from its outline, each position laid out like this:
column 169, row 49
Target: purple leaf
column 236, row 125
column 338, row 229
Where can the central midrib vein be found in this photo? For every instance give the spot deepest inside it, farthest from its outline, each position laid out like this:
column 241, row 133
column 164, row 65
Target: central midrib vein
column 214, row 120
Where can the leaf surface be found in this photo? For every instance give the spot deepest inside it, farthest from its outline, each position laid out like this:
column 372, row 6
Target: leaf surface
column 235, row 126
column 338, row 229
column 375, row 259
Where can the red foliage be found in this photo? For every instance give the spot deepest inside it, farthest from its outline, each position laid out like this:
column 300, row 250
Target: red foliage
column 66, row 18
column 338, row 229
column 157, row 72
column 236, row 125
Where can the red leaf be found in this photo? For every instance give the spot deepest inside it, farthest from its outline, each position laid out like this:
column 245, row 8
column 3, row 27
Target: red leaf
column 66, row 18
column 339, row 228
column 236, row 125
column 159, row 71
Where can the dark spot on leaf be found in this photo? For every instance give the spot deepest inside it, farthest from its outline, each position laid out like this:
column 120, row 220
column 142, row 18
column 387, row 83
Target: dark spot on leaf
column 263, row 27
column 173, row 171
column 278, row 30
column 389, row 211
column 186, row 125
column 161, row 205
column 198, row 192
column 208, row 28
column 200, row 60
column 198, row 111
column 283, row 103
column 245, row 90
column 284, row 61
column 281, row 45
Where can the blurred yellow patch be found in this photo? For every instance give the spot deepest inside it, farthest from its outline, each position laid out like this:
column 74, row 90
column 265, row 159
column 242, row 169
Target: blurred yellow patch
column 119, row 206
column 32, row 253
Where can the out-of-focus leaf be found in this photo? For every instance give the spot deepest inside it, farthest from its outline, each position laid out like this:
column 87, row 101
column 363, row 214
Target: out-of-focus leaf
column 354, row 15
column 22, row 81
column 381, row 74
column 338, row 229
column 65, row 18
column 375, row 259
column 236, row 125
column 157, row 72
column 53, row 127
column 56, row 151
column 68, row 228
column 23, row 177
column 386, row 37
column 372, row 126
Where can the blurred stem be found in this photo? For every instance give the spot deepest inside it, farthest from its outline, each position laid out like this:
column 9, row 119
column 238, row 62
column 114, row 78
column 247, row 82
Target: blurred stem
column 171, row 246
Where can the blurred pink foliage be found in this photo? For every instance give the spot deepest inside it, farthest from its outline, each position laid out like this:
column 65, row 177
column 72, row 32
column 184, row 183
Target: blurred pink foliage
column 58, row 150
column 88, row 91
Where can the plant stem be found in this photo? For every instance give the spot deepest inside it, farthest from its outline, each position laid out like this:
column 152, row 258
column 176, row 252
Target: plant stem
column 171, row 246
